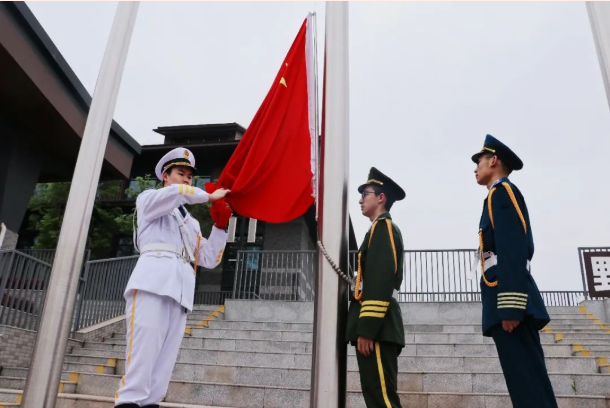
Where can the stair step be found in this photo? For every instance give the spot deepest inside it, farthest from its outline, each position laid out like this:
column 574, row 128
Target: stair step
column 447, row 349
column 22, row 372
column 437, row 363
column 572, row 321
column 222, row 344
column 587, row 335
column 272, row 331
column 564, row 348
column 354, row 400
column 64, row 400
column 585, row 341
column 261, row 325
column 408, row 380
column 264, row 361
column 10, row 395
column 553, row 310
column 271, row 397
column 471, row 400
column 18, row 383
column 410, row 338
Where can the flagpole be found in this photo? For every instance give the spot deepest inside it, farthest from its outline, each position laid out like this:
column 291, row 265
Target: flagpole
column 599, row 17
column 316, row 107
column 47, row 362
column 329, row 360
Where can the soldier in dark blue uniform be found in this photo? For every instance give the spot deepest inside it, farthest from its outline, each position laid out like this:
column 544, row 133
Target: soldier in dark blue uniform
column 513, row 309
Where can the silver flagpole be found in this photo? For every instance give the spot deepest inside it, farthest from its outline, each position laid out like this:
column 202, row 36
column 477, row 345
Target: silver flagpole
column 599, row 16
column 45, row 370
column 329, row 348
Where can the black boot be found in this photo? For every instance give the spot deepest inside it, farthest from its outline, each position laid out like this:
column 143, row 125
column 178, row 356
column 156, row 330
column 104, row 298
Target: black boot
column 128, row 405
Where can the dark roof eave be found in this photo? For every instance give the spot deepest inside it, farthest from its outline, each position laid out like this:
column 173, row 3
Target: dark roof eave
column 190, row 145
column 162, row 129
column 64, row 70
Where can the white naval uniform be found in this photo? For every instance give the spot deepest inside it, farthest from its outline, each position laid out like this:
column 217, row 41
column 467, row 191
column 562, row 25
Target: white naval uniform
column 161, row 287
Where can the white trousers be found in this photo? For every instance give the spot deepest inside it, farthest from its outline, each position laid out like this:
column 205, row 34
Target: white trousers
column 155, row 328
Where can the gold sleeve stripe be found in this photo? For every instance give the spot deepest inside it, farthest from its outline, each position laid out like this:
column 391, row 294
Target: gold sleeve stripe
column 373, row 309
column 371, row 314
column 524, row 295
column 181, row 189
column 515, row 298
column 512, row 303
column 511, row 307
column 375, row 303
column 192, row 190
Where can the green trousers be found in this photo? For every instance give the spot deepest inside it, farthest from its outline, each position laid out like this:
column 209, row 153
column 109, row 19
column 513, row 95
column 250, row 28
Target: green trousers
column 378, row 376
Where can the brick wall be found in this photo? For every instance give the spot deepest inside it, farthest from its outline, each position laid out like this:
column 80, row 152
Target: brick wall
column 292, row 236
column 16, row 346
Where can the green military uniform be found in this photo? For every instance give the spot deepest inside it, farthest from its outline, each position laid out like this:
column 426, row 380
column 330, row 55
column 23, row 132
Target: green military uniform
column 377, row 315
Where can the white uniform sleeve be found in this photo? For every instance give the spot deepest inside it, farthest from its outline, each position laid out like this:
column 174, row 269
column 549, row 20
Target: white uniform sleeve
column 153, row 204
column 211, row 249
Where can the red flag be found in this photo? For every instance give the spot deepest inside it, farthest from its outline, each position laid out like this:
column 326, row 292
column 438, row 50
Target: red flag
column 270, row 173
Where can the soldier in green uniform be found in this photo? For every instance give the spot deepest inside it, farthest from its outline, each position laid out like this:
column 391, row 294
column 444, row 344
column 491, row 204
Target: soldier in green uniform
column 513, row 309
column 374, row 322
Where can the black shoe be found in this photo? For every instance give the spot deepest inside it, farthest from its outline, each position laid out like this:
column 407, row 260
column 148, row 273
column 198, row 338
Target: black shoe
column 151, row 406
column 129, row 405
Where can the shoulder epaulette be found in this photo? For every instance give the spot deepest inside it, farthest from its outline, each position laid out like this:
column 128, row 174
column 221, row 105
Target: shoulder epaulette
column 511, row 194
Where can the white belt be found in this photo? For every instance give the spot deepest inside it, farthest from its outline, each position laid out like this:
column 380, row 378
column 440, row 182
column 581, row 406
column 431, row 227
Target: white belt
column 175, row 249
column 493, row 261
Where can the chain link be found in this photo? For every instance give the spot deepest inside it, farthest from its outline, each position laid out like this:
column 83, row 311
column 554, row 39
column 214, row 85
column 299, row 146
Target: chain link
column 335, row 267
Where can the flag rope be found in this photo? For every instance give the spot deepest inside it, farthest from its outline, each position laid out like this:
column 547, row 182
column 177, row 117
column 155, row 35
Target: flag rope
column 334, row 265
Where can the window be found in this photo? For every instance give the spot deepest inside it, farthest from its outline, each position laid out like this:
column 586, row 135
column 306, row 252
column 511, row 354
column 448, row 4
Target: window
column 200, row 181
column 133, row 184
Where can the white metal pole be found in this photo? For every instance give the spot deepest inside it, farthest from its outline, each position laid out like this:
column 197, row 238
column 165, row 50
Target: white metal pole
column 599, row 16
column 45, row 370
column 329, row 359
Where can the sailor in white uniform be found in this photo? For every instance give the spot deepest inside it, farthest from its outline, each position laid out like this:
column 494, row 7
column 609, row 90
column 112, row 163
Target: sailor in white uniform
column 162, row 285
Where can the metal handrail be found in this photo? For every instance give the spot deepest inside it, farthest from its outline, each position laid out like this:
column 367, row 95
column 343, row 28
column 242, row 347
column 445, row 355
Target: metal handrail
column 429, row 276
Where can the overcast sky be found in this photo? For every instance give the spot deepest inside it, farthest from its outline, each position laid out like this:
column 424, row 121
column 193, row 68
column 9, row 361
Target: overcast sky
column 427, row 82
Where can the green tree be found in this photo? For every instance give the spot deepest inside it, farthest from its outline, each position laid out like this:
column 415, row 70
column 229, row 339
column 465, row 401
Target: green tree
column 47, row 207
column 48, row 203
column 201, row 212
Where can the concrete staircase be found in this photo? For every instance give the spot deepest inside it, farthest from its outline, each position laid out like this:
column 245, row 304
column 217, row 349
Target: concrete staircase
column 258, row 354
